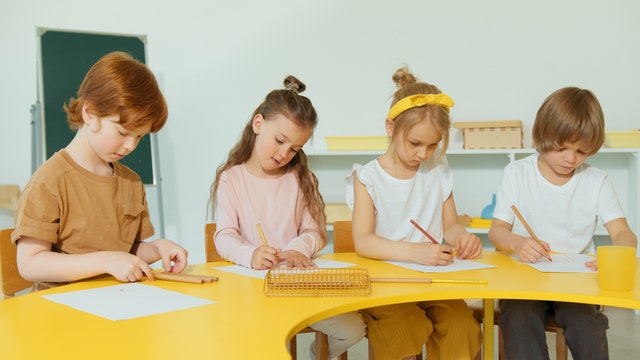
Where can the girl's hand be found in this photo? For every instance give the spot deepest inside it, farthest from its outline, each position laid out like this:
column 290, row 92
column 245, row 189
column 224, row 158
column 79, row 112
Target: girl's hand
column 126, row 267
column 264, row 257
column 173, row 256
column 295, row 259
column 432, row 254
column 468, row 246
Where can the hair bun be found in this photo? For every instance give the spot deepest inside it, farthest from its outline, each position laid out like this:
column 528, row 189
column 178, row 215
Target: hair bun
column 403, row 77
column 292, row 83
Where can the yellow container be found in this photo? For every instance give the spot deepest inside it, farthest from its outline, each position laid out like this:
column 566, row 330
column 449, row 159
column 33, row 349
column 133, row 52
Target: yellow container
column 480, row 223
column 357, row 142
column 616, row 267
column 622, row 139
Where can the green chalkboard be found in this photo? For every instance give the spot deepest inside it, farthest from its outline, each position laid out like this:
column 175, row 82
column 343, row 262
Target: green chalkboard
column 65, row 59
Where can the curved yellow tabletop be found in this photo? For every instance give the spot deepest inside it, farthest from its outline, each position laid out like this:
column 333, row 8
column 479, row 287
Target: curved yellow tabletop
column 243, row 323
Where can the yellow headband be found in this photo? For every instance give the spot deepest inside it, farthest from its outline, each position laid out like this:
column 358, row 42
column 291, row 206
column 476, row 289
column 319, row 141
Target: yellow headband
column 442, row 100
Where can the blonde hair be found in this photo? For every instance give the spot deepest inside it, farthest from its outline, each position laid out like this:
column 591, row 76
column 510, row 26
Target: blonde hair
column 119, row 84
column 408, row 85
column 570, row 115
column 299, row 109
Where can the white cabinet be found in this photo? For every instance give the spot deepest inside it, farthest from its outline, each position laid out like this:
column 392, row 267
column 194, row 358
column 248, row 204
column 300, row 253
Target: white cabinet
column 477, row 175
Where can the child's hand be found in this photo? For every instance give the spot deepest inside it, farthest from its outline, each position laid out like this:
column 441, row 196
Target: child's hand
column 592, row 265
column 432, row 254
column 295, row 259
column 127, row 267
column 173, row 256
column 529, row 250
column 264, row 257
column 468, row 246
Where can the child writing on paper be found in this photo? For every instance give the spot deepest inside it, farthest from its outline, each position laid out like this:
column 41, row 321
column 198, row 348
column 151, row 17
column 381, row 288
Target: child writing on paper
column 83, row 213
column 410, row 182
column 266, row 181
column 561, row 198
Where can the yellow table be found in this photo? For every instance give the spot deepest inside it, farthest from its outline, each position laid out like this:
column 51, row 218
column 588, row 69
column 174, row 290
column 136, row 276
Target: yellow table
column 245, row 324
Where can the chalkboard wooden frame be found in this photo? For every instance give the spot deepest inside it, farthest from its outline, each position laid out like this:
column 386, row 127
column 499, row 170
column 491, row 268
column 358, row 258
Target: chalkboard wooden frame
column 65, row 57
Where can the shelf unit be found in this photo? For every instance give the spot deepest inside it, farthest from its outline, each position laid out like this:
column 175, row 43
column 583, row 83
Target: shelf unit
column 477, row 175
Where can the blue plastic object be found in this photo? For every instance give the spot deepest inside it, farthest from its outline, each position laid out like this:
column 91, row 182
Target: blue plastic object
column 487, row 212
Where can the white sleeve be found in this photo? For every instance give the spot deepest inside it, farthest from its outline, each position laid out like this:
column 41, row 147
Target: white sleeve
column 608, row 204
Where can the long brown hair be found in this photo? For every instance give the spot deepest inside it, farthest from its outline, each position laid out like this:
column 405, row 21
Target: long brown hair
column 298, row 108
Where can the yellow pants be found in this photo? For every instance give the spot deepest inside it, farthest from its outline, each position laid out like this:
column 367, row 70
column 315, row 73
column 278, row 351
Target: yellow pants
column 446, row 326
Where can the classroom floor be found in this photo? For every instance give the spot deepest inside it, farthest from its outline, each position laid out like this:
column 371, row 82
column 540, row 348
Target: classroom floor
column 624, row 328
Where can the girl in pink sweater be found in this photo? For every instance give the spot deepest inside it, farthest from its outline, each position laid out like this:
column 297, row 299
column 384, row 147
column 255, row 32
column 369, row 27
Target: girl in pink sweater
column 266, row 180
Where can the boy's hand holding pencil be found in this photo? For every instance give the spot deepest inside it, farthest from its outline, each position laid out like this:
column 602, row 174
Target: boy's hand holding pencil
column 531, row 252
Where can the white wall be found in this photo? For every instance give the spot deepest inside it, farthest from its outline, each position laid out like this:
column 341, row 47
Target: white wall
column 216, row 60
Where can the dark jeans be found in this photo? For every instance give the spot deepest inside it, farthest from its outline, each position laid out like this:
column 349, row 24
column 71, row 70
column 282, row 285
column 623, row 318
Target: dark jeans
column 523, row 323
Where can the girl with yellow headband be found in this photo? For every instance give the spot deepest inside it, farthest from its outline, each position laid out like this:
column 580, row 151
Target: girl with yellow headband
column 411, row 182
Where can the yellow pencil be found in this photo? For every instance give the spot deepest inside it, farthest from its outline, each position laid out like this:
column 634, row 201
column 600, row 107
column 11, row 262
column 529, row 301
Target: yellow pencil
column 428, row 281
column 264, row 240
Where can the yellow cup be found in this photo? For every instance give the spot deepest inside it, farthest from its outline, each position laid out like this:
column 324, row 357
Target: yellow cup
column 616, row 267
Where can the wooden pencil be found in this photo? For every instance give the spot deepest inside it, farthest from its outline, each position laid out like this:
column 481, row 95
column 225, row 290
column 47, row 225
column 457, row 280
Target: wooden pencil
column 524, row 222
column 189, row 278
column 529, row 229
column 428, row 281
column 264, row 240
column 423, row 231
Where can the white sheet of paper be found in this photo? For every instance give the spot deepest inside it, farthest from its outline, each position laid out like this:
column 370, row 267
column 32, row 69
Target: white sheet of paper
column 127, row 301
column 261, row 274
column 571, row 263
column 457, row 265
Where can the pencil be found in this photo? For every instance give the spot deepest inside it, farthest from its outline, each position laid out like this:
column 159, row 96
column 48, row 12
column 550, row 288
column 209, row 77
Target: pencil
column 428, row 281
column 264, row 240
column 423, row 231
column 529, row 229
column 195, row 279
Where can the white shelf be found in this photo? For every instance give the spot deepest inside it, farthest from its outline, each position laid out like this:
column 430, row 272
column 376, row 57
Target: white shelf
column 477, row 174
column 477, row 230
column 325, row 152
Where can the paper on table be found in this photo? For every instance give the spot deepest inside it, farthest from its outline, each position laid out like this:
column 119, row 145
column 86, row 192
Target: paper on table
column 127, row 301
column 456, row 265
column 261, row 274
column 572, row 263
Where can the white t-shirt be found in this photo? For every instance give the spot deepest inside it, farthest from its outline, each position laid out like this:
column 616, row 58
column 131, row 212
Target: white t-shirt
column 397, row 201
column 565, row 216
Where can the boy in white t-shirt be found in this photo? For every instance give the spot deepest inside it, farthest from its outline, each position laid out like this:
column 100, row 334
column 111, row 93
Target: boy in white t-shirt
column 561, row 199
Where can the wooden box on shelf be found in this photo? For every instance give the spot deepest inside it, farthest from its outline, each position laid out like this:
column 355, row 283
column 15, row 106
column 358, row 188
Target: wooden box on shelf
column 491, row 134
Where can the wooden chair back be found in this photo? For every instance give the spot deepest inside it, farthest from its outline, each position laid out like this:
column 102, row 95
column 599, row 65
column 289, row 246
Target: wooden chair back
column 209, row 246
column 9, row 196
column 12, row 282
column 342, row 237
